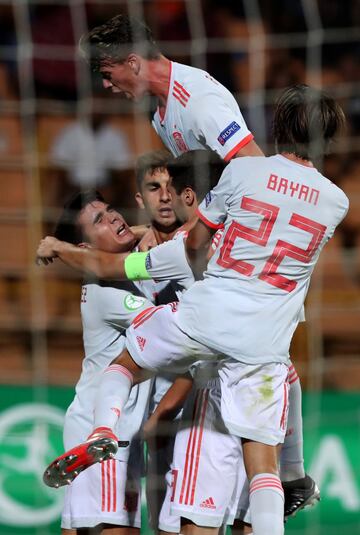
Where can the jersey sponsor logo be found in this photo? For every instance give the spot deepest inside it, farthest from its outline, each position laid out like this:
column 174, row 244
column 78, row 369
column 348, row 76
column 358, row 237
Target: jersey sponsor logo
column 141, row 342
column 228, row 132
column 208, row 504
column 179, row 141
column 293, row 189
column 133, row 302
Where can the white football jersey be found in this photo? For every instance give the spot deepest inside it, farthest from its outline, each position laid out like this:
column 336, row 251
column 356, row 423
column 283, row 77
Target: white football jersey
column 277, row 216
column 106, row 311
column 200, row 114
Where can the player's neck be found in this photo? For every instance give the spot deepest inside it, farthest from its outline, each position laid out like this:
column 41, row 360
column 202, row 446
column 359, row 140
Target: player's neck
column 163, row 234
column 296, row 159
column 159, row 79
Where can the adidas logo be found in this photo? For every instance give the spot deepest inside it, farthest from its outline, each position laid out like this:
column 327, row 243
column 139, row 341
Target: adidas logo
column 141, row 342
column 208, row 504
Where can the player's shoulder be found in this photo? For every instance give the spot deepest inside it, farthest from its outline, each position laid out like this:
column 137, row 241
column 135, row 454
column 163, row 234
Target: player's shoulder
column 335, row 192
column 194, row 83
column 248, row 162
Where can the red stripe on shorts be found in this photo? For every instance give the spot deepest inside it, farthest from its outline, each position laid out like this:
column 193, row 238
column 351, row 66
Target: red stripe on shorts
column 205, row 404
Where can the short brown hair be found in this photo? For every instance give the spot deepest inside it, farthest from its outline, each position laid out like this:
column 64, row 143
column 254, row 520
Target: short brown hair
column 150, row 162
column 305, row 122
column 114, row 40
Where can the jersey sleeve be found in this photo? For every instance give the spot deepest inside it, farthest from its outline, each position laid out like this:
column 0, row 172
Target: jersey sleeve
column 168, row 262
column 213, row 209
column 220, row 126
column 120, row 307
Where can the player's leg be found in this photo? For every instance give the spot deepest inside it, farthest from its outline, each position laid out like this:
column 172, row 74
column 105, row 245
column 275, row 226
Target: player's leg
column 299, row 488
column 266, row 493
column 154, row 342
column 204, row 455
column 254, row 406
column 292, row 456
column 189, row 528
column 241, row 528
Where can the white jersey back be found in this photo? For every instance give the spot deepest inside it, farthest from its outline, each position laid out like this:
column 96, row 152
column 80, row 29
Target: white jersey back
column 277, row 216
column 106, row 312
column 200, row 114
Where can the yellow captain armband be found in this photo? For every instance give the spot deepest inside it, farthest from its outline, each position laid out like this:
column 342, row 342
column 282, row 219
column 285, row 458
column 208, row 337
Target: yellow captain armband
column 135, row 266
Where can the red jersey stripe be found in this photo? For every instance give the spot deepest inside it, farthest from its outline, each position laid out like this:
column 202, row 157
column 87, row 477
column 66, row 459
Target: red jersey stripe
column 179, row 99
column 209, row 223
column 182, row 88
column 180, row 94
column 239, row 146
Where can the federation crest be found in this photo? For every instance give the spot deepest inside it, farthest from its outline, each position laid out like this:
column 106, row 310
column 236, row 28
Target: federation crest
column 179, row 141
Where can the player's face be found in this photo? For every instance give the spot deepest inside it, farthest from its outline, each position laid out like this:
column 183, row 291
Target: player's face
column 155, row 198
column 121, row 78
column 105, row 228
column 179, row 206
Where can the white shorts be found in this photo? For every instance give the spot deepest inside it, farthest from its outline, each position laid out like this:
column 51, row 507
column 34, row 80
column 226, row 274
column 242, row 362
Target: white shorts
column 255, row 400
column 255, row 397
column 107, row 492
column 206, row 455
column 156, row 343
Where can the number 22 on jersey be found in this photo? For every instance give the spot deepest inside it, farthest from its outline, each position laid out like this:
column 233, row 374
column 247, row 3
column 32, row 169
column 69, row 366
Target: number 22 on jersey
column 261, row 236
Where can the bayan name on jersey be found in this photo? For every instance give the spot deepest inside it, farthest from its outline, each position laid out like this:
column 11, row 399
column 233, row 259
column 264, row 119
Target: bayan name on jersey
column 294, row 189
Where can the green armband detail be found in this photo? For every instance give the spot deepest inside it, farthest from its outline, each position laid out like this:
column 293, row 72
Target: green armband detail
column 135, row 266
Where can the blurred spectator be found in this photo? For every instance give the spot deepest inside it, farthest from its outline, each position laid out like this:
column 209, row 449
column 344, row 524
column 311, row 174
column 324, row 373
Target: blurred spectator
column 86, row 154
column 55, row 48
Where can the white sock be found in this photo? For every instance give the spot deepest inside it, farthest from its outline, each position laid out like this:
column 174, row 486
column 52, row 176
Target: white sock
column 292, row 455
column 266, row 505
column 112, row 394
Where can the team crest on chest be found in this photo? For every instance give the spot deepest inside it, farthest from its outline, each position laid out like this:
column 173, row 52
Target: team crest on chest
column 179, row 141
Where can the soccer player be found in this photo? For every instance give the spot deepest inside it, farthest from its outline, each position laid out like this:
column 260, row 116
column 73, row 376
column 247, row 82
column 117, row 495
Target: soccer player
column 153, row 197
column 195, row 111
column 106, row 495
column 278, row 213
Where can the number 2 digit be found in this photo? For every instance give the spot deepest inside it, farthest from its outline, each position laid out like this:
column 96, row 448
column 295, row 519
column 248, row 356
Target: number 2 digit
column 261, row 235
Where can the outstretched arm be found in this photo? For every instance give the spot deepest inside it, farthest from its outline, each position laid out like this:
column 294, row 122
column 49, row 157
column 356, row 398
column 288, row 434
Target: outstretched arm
column 171, row 402
column 91, row 261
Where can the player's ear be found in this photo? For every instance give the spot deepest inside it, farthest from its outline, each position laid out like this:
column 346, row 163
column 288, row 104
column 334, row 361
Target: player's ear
column 133, row 61
column 140, row 201
column 85, row 245
column 189, row 196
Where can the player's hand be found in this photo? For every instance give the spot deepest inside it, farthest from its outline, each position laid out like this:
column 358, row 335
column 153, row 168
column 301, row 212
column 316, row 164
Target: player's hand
column 148, row 241
column 45, row 253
